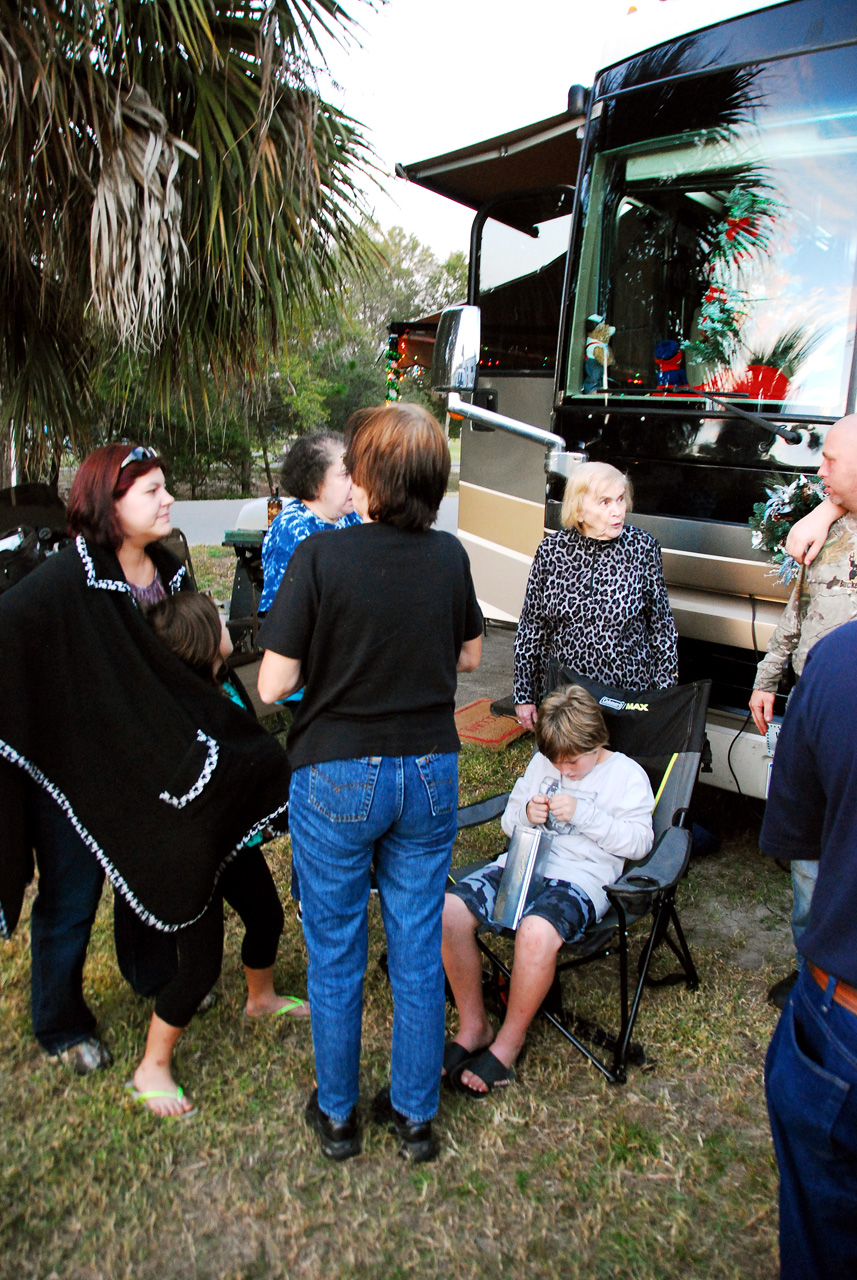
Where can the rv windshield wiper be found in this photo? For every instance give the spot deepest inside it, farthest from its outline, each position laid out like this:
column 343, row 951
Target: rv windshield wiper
column 786, row 433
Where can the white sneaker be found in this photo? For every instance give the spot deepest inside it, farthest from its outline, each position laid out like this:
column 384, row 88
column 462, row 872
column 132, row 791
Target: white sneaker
column 85, row 1056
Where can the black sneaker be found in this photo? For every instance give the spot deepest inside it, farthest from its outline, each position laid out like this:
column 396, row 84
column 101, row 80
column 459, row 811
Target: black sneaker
column 418, row 1143
column 779, row 993
column 338, row 1141
column 84, row 1057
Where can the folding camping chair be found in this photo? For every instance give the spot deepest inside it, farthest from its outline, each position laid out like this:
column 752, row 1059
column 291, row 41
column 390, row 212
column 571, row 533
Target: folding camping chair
column 177, row 543
column 664, row 731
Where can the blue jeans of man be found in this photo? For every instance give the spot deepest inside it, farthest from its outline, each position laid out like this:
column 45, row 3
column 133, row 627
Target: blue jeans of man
column 811, row 1087
column 70, row 880
column 804, row 876
column 401, row 812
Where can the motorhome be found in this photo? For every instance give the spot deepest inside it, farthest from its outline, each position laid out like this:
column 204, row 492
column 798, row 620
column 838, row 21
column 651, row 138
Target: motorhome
column 663, row 277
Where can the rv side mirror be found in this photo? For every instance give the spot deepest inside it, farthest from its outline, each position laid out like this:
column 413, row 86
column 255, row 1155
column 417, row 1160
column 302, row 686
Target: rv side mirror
column 456, row 350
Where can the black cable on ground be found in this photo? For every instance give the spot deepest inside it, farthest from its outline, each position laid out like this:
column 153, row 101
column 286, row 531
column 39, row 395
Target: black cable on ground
column 748, row 800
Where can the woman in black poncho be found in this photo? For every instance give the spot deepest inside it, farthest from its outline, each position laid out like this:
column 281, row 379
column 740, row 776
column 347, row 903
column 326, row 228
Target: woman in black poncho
column 110, row 759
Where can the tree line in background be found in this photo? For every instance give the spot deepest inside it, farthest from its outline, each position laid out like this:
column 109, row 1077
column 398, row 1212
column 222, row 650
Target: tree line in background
column 185, row 252
column 226, row 437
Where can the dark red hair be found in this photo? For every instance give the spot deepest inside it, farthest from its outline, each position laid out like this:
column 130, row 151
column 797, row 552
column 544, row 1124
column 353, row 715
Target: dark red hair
column 100, row 482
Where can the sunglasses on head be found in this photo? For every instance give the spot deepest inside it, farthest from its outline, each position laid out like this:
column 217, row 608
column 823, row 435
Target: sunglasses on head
column 138, row 454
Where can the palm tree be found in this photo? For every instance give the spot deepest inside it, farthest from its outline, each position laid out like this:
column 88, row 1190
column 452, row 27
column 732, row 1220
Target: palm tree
column 171, row 184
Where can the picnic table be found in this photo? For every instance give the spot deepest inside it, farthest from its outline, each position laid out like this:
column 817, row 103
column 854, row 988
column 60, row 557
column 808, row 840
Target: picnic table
column 243, row 619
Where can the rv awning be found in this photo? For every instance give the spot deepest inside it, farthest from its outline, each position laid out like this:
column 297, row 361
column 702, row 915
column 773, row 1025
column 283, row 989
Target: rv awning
column 545, row 154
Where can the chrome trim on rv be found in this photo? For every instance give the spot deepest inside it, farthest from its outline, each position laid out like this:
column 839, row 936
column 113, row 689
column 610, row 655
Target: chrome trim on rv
column 455, row 405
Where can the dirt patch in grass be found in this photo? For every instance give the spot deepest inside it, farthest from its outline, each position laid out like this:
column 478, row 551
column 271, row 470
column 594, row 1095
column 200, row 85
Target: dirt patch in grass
column 737, row 898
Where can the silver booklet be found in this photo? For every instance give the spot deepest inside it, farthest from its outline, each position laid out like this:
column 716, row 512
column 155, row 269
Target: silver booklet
column 524, row 871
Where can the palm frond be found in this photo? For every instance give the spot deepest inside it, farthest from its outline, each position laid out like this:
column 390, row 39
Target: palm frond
column 170, row 181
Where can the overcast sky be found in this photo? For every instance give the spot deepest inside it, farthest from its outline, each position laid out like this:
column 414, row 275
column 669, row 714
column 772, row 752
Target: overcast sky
column 430, row 76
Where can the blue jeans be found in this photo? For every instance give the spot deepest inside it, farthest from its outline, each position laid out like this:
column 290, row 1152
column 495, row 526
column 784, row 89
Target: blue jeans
column 401, row 812
column 804, row 876
column 811, row 1087
column 70, row 880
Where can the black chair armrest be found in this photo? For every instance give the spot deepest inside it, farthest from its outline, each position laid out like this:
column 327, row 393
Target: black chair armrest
column 457, row 874
column 474, row 815
column 636, row 888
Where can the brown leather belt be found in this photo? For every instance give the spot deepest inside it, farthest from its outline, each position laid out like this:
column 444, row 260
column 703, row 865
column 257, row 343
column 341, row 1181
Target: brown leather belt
column 842, row 993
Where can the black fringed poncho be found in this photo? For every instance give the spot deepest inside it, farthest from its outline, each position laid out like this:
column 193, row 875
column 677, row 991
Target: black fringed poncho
column 162, row 777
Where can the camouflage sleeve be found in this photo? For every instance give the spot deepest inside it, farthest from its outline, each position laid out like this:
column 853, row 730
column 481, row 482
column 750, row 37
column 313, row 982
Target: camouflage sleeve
column 781, row 645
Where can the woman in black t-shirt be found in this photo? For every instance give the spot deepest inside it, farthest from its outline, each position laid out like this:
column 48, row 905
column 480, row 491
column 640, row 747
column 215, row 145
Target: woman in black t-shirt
column 374, row 624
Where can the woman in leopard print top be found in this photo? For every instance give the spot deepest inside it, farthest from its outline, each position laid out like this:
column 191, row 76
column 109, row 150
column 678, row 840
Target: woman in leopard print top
column 596, row 598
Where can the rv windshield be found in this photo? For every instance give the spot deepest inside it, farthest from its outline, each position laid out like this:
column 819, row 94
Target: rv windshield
column 723, row 259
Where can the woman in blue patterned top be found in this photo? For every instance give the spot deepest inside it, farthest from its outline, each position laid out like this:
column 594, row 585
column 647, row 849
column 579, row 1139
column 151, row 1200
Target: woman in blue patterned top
column 315, row 477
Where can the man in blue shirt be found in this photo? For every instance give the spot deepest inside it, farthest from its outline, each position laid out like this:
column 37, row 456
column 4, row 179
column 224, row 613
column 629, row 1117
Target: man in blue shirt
column 811, row 1068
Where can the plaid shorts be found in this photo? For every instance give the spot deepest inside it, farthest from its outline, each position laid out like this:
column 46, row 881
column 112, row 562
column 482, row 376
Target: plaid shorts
column 563, row 905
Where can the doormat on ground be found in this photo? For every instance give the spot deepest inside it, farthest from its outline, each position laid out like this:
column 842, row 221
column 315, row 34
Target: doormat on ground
column 475, row 723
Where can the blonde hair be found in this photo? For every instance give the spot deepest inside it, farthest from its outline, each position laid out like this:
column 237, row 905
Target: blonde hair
column 570, row 723
column 582, row 481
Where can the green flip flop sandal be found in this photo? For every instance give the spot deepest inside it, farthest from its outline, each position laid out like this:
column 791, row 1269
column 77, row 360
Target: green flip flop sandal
column 288, row 1010
column 143, row 1099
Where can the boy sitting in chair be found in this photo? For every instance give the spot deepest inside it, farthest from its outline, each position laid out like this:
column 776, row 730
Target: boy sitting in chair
column 598, row 803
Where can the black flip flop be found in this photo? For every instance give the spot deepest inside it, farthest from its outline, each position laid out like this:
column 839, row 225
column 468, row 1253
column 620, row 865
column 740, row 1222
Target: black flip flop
column 494, row 1073
column 455, row 1056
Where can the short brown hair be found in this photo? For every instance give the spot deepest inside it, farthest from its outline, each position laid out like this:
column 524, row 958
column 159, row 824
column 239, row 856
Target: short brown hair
column 398, row 454
column 354, row 420
column 189, row 625
column 583, row 479
column 570, row 723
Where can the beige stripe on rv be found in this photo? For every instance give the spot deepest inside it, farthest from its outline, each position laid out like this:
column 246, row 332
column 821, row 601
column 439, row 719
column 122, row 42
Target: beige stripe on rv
column 511, row 522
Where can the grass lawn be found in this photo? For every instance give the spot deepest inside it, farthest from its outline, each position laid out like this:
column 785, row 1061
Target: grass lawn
column 561, row 1176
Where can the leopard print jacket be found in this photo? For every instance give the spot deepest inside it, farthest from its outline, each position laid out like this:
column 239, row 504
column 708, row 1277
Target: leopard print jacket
column 599, row 607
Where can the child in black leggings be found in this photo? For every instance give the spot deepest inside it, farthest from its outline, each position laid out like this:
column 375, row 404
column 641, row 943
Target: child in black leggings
column 181, row 968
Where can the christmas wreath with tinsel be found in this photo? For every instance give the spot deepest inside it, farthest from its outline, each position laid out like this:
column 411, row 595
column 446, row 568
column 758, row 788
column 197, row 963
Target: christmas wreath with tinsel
column 771, row 520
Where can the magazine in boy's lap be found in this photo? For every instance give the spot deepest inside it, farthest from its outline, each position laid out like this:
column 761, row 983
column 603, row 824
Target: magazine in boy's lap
column 526, row 860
